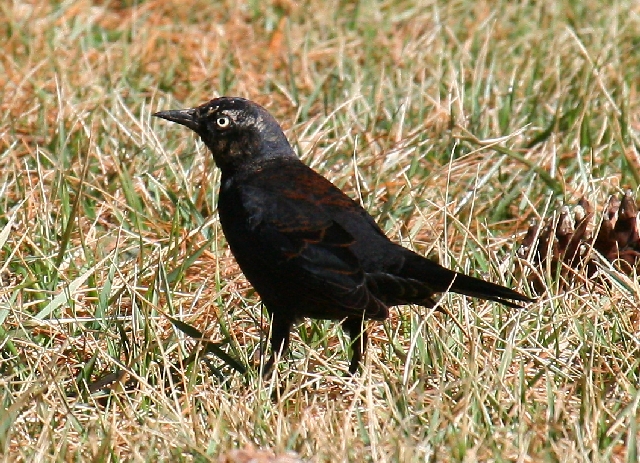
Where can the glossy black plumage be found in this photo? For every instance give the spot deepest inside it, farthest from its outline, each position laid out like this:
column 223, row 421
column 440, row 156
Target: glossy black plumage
column 307, row 248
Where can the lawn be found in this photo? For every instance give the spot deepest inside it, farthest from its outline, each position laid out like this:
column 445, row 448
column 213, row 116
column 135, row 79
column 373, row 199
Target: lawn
column 127, row 330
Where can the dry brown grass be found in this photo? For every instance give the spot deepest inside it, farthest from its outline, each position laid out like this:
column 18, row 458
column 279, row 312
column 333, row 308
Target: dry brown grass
column 453, row 122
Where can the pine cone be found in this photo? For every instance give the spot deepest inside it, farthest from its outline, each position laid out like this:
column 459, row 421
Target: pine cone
column 566, row 244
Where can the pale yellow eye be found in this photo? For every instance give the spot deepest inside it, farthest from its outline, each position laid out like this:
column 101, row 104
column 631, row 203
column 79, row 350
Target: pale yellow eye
column 223, row 122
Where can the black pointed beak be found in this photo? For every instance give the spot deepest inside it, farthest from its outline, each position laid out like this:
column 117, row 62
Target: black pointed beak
column 186, row 117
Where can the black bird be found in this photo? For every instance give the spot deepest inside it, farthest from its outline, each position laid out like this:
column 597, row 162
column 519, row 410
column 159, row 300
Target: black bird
column 307, row 248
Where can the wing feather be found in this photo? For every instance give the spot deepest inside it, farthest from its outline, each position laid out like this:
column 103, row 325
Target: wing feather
column 312, row 250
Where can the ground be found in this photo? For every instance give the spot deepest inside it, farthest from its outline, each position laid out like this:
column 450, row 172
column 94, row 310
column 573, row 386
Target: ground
column 454, row 123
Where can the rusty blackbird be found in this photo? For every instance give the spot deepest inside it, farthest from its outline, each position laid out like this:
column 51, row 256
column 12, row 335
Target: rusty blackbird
column 307, row 248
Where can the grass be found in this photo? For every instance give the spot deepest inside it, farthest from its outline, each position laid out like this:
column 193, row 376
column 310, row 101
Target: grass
column 454, row 123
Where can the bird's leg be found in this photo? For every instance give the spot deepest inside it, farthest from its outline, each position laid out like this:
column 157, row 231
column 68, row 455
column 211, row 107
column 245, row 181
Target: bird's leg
column 280, row 329
column 356, row 330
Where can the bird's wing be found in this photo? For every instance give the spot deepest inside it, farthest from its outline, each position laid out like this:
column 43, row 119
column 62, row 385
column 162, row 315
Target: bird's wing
column 312, row 249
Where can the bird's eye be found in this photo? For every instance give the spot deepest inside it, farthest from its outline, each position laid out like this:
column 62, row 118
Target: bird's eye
column 223, row 122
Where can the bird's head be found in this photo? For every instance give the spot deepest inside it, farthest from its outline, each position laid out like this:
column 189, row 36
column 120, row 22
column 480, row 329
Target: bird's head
column 238, row 132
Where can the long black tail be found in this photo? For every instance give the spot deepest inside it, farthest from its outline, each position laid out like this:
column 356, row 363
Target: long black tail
column 475, row 287
column 440, row 279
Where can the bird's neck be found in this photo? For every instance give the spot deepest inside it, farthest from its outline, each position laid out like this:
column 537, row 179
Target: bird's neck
column 239, row 174
column 245, row 153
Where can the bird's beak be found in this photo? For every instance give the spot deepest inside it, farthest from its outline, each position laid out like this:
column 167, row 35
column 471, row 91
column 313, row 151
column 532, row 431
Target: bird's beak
column 186, row 117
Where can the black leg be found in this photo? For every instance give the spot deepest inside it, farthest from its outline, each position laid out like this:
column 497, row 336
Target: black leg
column 280, row 329
column 356, row 330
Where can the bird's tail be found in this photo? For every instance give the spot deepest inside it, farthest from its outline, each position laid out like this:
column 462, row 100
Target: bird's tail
column 440, row 279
